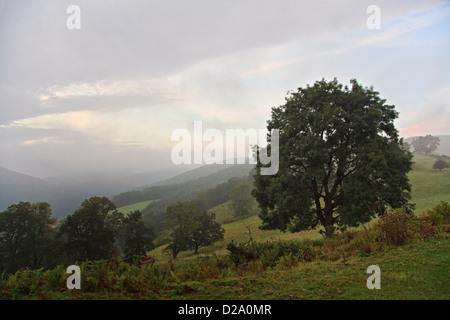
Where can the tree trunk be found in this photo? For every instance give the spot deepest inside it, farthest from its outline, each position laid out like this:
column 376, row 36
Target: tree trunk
column 329, row 231
column 325, row 216
column 328, row 217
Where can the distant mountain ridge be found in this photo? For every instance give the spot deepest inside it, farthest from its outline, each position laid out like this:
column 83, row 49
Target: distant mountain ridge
column 66, row 196
column 193, row 174
column 185, row 184
column 15, row 187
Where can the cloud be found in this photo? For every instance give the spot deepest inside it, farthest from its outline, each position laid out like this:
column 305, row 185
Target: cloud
column 429, row 117
column 137, row 70
column 51, row 140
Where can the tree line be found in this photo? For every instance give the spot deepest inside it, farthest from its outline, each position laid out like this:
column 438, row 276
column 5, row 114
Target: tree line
column 31, row 238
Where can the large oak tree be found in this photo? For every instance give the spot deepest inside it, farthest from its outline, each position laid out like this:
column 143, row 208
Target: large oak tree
column 341, row 161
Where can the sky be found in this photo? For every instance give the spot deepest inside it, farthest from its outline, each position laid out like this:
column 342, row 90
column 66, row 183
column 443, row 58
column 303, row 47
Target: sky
column 106, row 97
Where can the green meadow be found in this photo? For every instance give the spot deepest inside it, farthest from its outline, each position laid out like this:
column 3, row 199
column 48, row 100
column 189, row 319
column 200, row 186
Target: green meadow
column 135, row 206
column 429, row 186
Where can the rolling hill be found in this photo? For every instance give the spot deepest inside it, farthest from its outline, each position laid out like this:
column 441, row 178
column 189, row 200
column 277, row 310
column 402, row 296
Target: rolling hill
column 186, row 185
column 66, row 195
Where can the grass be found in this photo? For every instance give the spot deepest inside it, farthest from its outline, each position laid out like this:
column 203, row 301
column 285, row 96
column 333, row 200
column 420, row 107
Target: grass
column 133, row 207
column 417, row 270
column 429, row 186
column 414, row 271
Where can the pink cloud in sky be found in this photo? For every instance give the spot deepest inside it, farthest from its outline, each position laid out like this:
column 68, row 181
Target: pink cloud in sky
column 435, row 126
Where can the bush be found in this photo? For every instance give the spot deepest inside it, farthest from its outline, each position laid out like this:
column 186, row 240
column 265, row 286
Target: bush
column 440, row 214
column 427, row 225
column 393, row 227
column 270, row 254
column 365, row 241
column 425, row 228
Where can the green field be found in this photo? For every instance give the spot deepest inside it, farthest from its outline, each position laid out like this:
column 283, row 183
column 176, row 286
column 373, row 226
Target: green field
column 135, row 206
column 429, row 186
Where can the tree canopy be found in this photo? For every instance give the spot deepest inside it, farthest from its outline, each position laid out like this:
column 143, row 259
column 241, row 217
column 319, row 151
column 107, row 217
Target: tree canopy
column 425, row 145
column 89, row 236
column 341, row 160
column 27, row 233
column 191, row 228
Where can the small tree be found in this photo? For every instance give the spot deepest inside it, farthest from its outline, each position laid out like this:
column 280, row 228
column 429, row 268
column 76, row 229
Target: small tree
column 440, row 164
column 207, row 231
column 191, row 228
column 180, row 220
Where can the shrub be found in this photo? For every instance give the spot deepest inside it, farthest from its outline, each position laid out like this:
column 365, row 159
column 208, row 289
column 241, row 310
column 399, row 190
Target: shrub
column 426, row 228
column 440, row 214
column 363, row 241
column 271, row 253
column 393, row 227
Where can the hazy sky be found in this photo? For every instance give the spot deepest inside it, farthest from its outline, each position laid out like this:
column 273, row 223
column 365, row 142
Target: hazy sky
column 106, row 97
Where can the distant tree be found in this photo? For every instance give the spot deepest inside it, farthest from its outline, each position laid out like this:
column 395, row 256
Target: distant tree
column 425, row 145
column 341, row 161
column 440, row 164
column 191, row 228
column 181, row 221
column 206, row 231
column 138, row 238
column 88, row 233
column 241, row 199
column 27, row 235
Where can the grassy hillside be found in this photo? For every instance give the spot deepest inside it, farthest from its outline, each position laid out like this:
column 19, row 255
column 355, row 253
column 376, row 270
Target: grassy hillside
column 189, row 189
column 401, row 278
column 429, row 186
column 324, row 269
column 135, row 206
